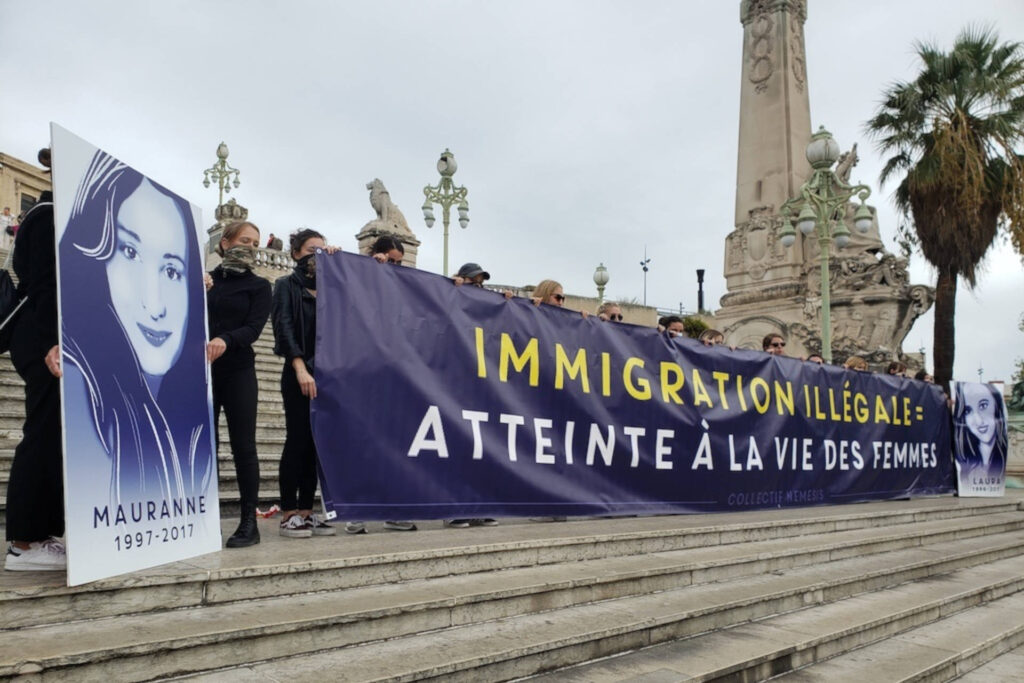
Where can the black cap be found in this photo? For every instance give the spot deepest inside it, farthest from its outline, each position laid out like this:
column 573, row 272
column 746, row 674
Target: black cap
column 472, row 270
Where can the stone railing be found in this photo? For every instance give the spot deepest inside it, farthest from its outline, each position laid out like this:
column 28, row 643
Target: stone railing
column 274, row 259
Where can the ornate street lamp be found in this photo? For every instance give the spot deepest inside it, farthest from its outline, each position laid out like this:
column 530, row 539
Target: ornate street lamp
column 221, row 173
column 447, row 194
column 600, row 279
column 822, row 207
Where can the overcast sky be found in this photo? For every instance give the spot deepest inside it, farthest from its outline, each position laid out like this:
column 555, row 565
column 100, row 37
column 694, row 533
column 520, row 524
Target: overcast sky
column 585, row 131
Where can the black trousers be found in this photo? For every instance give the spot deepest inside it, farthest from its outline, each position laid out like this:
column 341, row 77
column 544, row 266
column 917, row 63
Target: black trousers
column 298, row 459
column 236, row 392
column 35, row 491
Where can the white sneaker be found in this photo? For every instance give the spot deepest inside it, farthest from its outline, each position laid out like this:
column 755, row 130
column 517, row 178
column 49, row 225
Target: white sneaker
column 355, row 527
column 400, row 526
column 296, row 527
column 41, row 556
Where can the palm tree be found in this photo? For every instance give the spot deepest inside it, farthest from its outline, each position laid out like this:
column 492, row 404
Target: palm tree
column 954, row 133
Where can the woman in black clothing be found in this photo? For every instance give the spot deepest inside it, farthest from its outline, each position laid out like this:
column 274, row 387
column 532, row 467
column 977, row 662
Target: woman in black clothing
column 294, row 320
column 238, row 305
column 35, row 492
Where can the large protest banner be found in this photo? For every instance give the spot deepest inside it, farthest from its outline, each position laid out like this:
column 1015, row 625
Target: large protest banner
column 437, row 401
column 980, row 439
column 140, row 477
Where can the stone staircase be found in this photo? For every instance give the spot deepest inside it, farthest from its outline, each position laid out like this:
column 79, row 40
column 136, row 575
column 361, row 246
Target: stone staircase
column 927, row 589
column 270, row 429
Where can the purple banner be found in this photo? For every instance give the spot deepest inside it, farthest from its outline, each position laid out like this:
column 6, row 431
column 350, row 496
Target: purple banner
column 437, row 401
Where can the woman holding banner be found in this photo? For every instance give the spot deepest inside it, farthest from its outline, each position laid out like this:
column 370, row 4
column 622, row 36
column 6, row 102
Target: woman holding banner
column 293, row 315
column 238, row 305
column 127, row 256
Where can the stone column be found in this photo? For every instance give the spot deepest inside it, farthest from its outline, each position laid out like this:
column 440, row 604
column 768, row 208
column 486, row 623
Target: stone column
column 775, row 127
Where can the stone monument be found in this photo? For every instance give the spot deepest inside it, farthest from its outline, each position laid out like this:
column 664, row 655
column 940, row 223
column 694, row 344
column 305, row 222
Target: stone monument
column 389, row 221
column 772, row 288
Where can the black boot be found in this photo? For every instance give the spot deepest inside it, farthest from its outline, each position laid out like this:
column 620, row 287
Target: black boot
column 247, row 532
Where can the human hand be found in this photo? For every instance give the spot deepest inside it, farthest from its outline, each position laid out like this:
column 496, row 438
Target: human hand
column 52, row 361
column 535, row 300
column 508, row 293
column 331, row 249
column 208, row 281
column 458, row 280
column 380, row 258
column 215, row 348
column 306, row 383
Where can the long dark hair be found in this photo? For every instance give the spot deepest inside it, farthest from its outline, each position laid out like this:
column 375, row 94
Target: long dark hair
column 968, row 448
column 157, row 444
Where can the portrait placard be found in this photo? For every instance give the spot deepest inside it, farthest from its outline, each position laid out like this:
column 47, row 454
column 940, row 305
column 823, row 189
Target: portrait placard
column 979, row 439
column 140, row 471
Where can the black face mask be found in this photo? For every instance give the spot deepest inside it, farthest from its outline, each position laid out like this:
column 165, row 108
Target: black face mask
column 305, row 268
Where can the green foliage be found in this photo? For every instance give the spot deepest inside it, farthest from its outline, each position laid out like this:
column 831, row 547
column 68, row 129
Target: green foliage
column 953, row 134
column 693, row 326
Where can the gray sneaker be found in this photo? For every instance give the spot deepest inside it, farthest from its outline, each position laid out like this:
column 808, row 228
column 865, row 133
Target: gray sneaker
column 483, row 521
column 355, row 527
column 400, row 526
column 457, row 523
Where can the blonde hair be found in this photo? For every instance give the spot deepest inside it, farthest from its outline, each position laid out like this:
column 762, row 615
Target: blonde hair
column 232, row 229
column 855, row 363
column 545, row 288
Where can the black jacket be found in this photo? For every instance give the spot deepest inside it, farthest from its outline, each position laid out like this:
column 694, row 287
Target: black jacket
column 293, row 316
column 237, row 307
column 35, row 264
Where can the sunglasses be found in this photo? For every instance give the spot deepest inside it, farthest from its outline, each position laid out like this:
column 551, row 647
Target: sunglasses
column 617, row 317
column 559, row 297
column 778, row 345
column 394, row 262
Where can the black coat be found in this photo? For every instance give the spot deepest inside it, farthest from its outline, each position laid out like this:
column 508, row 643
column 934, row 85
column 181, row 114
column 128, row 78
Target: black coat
column 35, row 264
column 293, row 316
column 238, row 306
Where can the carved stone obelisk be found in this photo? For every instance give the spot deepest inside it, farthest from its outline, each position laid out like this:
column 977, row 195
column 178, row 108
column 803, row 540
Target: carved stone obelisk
column 775, row 126
column 772, row 288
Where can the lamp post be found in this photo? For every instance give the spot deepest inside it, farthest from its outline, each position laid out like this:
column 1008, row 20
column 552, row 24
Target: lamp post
column 700, row 290
column 447, row 194
column 822, row 207
column 644, row 265
column 221, row 173
column 600, row 279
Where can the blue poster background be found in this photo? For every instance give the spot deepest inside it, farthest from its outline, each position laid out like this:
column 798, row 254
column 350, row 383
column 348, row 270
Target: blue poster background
column 416, row 418
column 140, row 474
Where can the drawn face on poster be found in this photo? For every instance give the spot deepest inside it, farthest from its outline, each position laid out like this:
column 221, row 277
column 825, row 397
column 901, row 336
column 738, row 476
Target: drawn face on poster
column 127, row 256
column 979, row 438
column 140, row 474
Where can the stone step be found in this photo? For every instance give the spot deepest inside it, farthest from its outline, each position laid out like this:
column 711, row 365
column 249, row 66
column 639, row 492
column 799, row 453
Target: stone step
column 483, row 647
column 708, row 547
column 769, row 647
column 736, row 567
column 1006, row 668
column 938, row 651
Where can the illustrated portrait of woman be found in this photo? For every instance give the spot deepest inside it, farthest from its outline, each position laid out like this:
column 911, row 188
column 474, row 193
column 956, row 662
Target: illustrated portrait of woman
column 979, row 433
column 132, row 300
